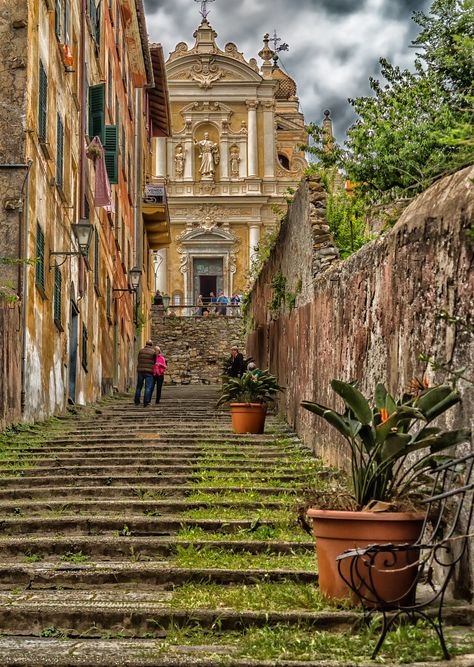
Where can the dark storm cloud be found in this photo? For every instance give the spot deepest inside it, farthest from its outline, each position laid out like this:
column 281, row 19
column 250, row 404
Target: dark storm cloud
column 335, row 45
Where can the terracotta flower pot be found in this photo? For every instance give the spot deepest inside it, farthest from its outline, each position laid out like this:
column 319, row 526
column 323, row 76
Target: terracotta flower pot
column 248, row 417
column 337, row 531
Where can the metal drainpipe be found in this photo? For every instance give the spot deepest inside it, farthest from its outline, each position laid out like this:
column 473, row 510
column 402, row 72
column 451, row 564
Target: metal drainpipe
column 82, row 131
column 24, row 285
column 136, row 201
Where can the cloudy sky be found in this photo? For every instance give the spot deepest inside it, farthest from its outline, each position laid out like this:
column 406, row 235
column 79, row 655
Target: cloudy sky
column 334, row 44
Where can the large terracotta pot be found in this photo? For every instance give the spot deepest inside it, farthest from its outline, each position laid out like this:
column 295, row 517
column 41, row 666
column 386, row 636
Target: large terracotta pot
column 248, row 417
column 337, row 531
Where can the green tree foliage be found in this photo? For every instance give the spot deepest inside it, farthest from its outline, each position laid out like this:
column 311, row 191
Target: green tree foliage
column 416, row 125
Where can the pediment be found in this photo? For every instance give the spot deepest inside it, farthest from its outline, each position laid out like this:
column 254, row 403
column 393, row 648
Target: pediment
column 207, row 70
column 284, row 124
column 207, row 236
column 217, row 109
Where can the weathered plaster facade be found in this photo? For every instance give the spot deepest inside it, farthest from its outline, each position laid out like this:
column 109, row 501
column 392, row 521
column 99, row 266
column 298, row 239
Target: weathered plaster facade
column 251, row 120
column 76, row 332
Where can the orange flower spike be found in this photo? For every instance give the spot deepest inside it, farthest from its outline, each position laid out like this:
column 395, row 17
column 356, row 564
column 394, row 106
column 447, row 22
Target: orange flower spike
column 384, row 415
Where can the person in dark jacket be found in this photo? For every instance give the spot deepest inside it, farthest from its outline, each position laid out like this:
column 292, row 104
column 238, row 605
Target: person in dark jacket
column 158, row 298
column 237, row 368
column 146, row 362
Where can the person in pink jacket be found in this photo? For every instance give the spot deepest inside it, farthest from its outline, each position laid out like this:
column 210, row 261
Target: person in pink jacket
column 159, row 373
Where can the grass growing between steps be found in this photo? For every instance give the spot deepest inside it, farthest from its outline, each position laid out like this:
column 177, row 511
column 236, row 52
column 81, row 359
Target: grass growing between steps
column 282, row 533
column 263, row 596
column 406, row 644
column 225, row 558
column 17, row 442
column 283, row 515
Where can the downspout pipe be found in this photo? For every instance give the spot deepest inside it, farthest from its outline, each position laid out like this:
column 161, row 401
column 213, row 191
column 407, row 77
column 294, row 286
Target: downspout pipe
column 82, row 131
column 23, row 287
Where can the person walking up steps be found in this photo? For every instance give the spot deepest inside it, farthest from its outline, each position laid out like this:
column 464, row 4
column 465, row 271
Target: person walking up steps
column 159, row 370
column 145, row 365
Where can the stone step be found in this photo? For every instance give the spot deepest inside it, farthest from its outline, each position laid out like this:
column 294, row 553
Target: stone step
column 126, row 439
column 140, row 614
column 126, row 491
column 106, row 546
column 70, row 458
column 114, row 574
column 122, row 507
column 147, row 462
column 136, row 526
column 84, row 652
column 75, row 477
column 137, row 614
column 143, row 450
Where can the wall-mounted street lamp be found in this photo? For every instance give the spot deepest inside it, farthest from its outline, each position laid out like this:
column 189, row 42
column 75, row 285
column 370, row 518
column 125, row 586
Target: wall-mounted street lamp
column 83, row 233
column 135, row 275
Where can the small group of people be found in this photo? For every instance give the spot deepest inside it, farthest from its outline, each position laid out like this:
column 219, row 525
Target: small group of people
column 215, row 304
column 151, row 368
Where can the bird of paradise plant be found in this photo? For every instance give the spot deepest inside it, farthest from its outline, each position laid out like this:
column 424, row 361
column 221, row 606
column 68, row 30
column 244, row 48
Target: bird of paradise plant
column 386, row 437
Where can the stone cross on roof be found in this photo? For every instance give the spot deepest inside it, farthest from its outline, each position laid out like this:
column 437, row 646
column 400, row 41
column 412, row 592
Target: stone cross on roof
column 204, row 11
column 276, row 40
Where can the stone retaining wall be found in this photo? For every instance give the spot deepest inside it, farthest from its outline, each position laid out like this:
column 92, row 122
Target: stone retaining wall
column 369, row 317
column 195, row 347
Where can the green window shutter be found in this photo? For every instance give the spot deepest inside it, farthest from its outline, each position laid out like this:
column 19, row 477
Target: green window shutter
column 39, row 256
column 60, row 152
column 97, row 111
column 57, row 18
column 97, row 25
column 84, row 347
column 58, row 281
column 43, row 102
column 111, row 152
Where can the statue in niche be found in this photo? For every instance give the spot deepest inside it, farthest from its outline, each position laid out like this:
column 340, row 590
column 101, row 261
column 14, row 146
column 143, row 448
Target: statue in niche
column 209, row 156
column 179, row 160
column 234, row 161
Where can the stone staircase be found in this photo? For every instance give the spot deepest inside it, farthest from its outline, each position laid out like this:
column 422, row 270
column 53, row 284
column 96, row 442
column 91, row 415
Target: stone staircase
column 134, row 536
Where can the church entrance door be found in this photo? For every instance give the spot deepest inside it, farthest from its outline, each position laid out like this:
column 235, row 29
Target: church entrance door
column 208, row 276
column 207, row 284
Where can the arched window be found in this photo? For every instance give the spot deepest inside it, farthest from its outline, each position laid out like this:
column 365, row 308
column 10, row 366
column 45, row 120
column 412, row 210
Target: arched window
column 177, row 298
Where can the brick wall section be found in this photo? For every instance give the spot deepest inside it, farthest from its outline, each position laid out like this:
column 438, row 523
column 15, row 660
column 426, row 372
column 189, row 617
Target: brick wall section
column 195, row 347
column 368, row 318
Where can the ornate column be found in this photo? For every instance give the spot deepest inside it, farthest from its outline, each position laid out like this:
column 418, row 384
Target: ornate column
column 160, row 157
column 188, row 151
column 252, row 138
column 161, row 270
column 269, row 139
column 254, row 239
column 224, row 151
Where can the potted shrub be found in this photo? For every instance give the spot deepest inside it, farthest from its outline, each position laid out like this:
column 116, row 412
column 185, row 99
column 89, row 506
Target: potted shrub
column 392, row 446
column 249, row 396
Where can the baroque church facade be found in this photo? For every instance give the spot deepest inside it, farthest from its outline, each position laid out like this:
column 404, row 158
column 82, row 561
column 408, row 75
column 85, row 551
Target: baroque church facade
column 234, row 150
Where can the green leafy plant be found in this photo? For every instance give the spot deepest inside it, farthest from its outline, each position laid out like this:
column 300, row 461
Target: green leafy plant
column 382, row 437
column 250, row 388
